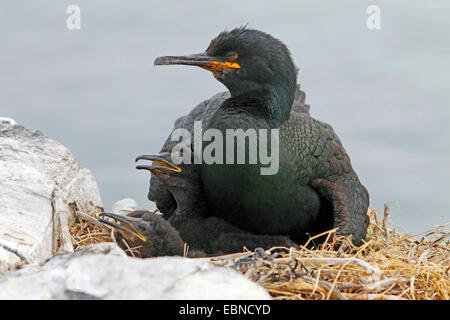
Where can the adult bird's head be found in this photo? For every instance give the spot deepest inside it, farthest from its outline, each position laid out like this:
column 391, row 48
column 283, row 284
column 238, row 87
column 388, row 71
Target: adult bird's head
column 246, row 60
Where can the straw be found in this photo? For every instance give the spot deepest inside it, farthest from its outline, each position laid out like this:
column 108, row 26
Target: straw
column 389, row 265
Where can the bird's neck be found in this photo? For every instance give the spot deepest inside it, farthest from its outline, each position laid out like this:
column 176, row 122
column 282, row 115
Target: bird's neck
column 275, row 102
column 279, row 105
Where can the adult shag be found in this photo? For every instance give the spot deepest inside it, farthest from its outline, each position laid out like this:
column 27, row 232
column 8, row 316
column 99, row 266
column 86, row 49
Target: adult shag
column 315, row 188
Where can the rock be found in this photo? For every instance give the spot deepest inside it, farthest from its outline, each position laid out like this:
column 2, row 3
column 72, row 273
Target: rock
column 7, row 122
column 124, row 206
column 103, row 271
column 41, row 185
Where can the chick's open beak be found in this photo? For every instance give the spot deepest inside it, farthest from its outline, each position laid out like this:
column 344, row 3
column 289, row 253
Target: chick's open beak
column 162, row 165
column 214, row 64
column 126, row 225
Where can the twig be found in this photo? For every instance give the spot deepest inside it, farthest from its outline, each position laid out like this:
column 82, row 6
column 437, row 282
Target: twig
column 387, row 210
column 319, row 235
column 14, row 251
column 374, row 271
column 332, row 291
column 185, row 250
column 128, row 247
column 317, row 282
column 371, row 296
column 380, row 284
column 342, row 268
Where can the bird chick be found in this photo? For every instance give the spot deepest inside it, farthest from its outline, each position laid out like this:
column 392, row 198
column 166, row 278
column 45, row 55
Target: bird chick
column 146, row 234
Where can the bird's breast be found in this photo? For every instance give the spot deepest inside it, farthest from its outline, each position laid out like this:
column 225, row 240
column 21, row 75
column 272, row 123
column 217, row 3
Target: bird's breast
column 262, row 204
column 247, row 194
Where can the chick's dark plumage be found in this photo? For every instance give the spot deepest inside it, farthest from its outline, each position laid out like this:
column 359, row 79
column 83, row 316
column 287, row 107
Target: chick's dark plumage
column 144, row 234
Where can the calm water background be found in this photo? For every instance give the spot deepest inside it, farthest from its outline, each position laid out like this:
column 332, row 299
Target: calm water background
column 95, row 90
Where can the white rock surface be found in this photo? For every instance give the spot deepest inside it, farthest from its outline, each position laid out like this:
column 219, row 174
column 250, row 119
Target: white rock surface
column 124, row 206
column 7, row 121
column 33, row 171
column 103, row 271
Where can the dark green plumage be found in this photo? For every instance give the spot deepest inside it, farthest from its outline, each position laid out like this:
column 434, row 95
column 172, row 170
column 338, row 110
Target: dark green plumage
column 291, row 202
column 315, row 188
column 294, row 201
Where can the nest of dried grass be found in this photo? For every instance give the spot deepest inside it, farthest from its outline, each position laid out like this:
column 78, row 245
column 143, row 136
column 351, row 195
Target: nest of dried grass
column 388, row 266
column 87, row 230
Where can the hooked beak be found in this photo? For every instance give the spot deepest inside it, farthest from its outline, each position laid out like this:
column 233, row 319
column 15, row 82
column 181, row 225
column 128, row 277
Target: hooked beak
column 163, row 166
column 126, row 224
column 213, row 64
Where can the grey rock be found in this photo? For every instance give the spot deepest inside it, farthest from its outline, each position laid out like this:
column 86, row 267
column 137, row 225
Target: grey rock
column 4, row 122
column 103, row 271
column 39, row 178
column 124, row 206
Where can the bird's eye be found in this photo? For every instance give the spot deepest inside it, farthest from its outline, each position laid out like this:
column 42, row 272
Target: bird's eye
column 231, row 55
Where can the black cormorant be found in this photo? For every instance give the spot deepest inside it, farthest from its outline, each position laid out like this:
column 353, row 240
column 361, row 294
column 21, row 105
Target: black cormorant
column 315, row 188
